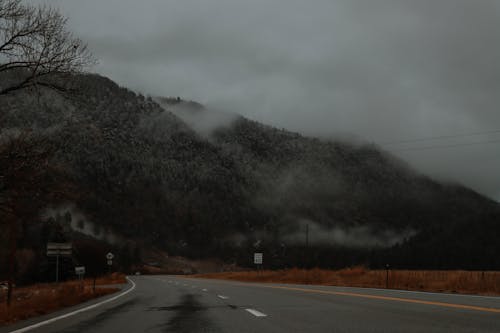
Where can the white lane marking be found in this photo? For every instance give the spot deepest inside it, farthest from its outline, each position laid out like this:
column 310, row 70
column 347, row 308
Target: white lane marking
column 204, row 290
column 90, row 307
column 256, row 313
column 222, row 297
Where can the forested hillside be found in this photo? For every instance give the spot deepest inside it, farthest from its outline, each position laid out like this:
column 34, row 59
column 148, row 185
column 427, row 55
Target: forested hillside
column 169, row 174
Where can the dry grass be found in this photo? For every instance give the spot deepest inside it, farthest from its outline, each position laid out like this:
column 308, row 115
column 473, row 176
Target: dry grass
column 41, row 299
column 114, row 278
column 466, row 282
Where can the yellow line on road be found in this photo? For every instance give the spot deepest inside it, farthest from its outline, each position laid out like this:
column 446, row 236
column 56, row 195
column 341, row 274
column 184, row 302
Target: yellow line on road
column 388, row 298
column 343, row 293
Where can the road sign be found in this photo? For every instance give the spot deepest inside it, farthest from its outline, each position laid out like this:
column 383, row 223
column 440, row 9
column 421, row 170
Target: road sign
column 257, row 258
column 110, row 262
column 59, row 249
column 80, row 270
column 59, row 246
column 110, row 256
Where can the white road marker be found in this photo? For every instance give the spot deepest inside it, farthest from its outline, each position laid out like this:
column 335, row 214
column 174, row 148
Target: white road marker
column 90, row 307
column 222, row 297
column 204, row 290
column 256, row 313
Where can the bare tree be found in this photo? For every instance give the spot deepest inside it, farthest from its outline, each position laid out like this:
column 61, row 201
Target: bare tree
column 28, row 182
column 36, row 46
column 36, row 49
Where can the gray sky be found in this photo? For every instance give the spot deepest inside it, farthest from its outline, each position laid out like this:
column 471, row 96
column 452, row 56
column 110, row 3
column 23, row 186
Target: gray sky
column 377, row 70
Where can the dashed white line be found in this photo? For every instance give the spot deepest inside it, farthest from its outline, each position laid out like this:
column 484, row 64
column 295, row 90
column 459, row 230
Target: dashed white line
column 204, row 290
column 222, row 297
column 256, row 313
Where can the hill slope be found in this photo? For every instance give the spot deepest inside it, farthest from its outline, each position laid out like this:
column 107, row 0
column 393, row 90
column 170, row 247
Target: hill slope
column 173, row 175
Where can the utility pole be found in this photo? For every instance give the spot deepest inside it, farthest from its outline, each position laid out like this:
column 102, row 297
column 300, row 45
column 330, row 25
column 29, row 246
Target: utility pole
column 306, row 252
column 386, row 276
column 12, row 257
column 57, row 268
column 307, row 235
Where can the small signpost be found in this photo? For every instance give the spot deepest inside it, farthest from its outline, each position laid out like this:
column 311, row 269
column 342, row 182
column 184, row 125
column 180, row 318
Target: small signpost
column 110, row 257
column 80, row 271
column 59, row 250
column 257, row 258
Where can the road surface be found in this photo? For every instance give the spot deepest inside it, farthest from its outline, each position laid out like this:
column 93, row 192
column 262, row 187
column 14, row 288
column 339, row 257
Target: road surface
column 180, row 304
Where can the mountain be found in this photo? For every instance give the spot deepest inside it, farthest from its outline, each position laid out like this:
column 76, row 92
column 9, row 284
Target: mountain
column 164, row 173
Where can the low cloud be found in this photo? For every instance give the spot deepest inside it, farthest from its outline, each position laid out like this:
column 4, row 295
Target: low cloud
column 201, row 119
column 382, row 70
column 70, row 218
column 353, row 237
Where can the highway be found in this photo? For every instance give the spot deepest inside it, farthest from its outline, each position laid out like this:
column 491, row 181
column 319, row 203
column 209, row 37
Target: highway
column 180, row 304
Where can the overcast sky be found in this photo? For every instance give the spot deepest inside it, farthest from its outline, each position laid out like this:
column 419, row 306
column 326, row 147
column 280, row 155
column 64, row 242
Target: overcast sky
column 377, row 70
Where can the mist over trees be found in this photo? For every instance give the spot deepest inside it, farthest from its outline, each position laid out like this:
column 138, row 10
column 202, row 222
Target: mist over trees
column 151, row 181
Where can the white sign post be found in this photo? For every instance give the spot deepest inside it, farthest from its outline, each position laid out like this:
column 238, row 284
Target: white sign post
column 80, row 271
column 109, row 258
column 257, row 258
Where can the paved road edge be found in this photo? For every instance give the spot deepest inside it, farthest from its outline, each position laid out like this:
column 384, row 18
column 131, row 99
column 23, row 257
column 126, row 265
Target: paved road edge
column 72, row 313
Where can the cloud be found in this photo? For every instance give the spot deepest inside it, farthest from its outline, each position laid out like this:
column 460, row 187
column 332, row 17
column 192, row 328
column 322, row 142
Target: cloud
column 353, row 237
column 382, row 70
column 78, row 222
column 203, row 121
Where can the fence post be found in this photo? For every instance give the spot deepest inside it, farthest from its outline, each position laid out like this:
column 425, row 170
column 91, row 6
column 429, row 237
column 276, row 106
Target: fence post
column 386, row 276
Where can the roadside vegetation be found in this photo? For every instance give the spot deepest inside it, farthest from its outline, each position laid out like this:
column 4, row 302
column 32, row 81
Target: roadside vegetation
column 464, row 282
column 40, row 299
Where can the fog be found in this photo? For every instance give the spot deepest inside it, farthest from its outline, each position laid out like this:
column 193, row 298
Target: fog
column 77, row 221
column 353, row 237
column 203, row 121
column 375, row 70
column 309, row 232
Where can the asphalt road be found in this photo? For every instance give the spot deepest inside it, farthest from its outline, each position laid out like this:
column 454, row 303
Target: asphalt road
column 177, row 304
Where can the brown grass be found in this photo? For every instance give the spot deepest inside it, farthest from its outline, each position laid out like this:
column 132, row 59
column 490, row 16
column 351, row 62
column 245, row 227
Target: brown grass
column 466, row 282
column 41, row 299
column 114, row 278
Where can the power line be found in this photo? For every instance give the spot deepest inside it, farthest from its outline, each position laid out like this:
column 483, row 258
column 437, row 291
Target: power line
column 390, row 143
column 448, row 146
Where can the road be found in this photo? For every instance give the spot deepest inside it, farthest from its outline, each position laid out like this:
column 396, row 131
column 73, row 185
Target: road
column 180, row 304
